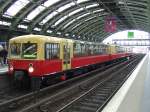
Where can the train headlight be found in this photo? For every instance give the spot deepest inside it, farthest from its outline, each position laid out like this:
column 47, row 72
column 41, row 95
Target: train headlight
column 11, row 68
column 31, row 69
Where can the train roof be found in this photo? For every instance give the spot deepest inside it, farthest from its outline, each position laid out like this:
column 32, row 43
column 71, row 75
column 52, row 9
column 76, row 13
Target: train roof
column 39, row 37
column 24, row 38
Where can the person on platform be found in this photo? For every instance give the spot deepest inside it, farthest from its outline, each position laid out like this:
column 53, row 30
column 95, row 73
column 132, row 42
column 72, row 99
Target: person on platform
column 4, row 53
column 1, row 56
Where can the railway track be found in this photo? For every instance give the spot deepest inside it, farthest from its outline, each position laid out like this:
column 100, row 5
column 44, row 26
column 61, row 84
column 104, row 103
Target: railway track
column 7, row 92
column 95, row 99
column 39, row 100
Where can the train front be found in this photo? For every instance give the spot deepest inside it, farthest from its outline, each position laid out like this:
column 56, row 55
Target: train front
column 23, row 58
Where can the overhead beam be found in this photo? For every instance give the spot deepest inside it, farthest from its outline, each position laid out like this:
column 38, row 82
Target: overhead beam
column 24, row 12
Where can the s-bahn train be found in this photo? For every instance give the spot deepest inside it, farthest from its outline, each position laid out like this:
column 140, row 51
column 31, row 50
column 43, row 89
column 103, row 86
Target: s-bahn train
column 38, row 57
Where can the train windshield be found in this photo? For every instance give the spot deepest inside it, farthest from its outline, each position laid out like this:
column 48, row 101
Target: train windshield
column 29, row 50
column 15, row 49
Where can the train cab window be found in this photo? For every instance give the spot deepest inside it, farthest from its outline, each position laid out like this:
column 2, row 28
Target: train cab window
column 29, row 50
column 15, row 49
column 52, row 51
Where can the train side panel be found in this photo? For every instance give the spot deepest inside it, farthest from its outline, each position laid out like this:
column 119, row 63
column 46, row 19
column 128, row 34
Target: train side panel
column 118, row 55
column 88, row 60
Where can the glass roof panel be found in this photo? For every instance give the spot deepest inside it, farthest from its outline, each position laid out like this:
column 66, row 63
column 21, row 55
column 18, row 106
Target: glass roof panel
column 80, row 1
column 37, row 29
column 49, row 31
column 62, row 9
column 48, row 17
column 5, row 23
column 66, row 34
column 93, row 5
column 16, row 7
column 50, row 2
column 83, row 15
column 22, row 26
column 40, row 8
column 76, row 11
column 69, row 23
column 7, row 16
column 90, row 18
column 76, row 19
column 60, row 20
column 76, row 25
column 56, row 12
column 66, row 6
column 121, row 2
column 35, row 12
column 59, row 33
column 100, row 10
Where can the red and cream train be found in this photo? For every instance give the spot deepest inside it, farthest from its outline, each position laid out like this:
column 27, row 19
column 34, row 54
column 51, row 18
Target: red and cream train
column 37, row 56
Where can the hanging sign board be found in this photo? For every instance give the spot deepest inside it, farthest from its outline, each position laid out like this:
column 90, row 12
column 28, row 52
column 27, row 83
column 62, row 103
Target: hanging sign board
column 110, row 24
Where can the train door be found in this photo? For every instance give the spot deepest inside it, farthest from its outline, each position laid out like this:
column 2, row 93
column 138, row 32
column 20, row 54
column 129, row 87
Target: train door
column 66, row 56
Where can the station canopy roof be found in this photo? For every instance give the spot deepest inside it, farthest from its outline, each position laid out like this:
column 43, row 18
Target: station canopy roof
column 77, row 19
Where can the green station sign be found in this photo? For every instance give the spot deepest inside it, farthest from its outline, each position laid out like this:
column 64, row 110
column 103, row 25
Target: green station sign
column 130, row 35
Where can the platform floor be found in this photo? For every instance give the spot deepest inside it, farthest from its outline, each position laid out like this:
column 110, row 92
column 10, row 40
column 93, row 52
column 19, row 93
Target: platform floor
column 146, row 97
column 3, row 69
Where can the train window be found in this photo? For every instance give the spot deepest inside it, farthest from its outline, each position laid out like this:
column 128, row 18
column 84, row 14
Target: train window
column 15, row 49
column 29, row 50
column 96, row 49
column 103, row 49
column 52, row 51
column 92, row 49
column 77, row 49
column 83, row 49
column 120, row 49
column 87, row 49
column 66, row 52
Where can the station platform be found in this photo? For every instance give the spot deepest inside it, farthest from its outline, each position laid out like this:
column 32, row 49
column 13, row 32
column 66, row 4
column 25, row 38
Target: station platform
column 4, row 81
column 3, row 69
column 134, row 95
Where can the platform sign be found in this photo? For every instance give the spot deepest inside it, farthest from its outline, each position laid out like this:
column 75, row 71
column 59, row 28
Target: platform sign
column 130, row 35
column 110, row 24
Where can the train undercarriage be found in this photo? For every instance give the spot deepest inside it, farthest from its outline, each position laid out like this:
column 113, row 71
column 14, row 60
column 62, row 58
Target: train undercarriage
column 22, row 80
